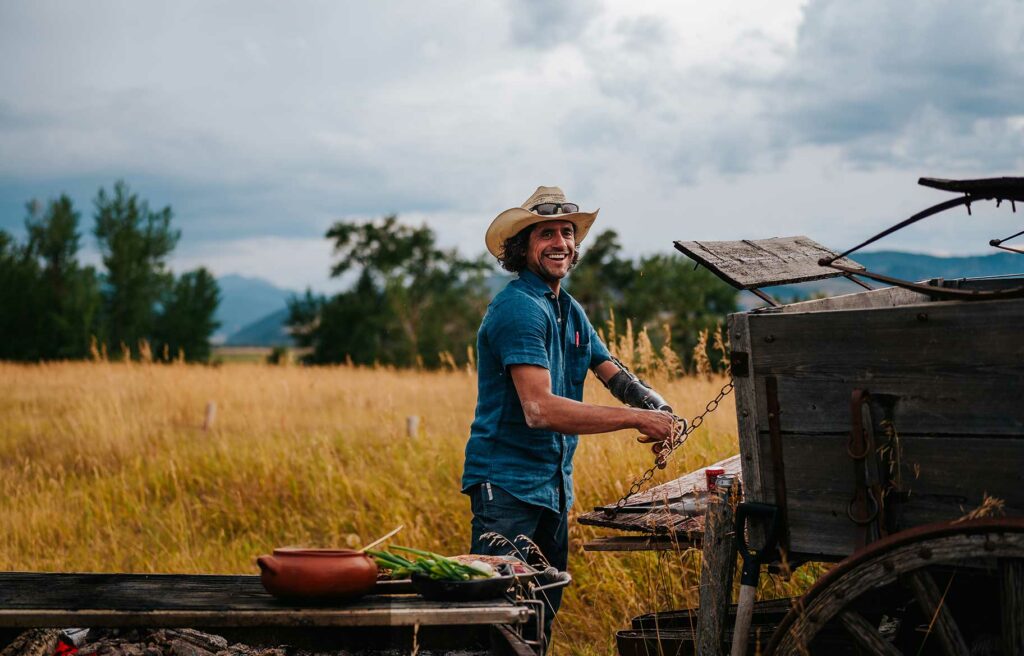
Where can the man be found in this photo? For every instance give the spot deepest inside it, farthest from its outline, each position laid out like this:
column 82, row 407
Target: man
column 534, row 348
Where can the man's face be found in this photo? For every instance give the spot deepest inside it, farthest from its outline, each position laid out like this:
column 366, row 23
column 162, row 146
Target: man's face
column 551, row 248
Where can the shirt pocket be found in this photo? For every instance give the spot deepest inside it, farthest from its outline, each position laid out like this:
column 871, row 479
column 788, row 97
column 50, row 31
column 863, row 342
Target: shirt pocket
column 579, row 360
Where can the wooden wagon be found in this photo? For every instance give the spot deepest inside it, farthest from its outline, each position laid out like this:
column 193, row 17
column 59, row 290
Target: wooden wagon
column 883, row 430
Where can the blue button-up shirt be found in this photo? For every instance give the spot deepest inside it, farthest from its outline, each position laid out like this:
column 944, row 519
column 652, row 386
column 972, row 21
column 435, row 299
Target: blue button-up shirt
column 527, row 324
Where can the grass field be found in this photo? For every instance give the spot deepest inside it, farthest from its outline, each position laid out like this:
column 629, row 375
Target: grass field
column 106, row 467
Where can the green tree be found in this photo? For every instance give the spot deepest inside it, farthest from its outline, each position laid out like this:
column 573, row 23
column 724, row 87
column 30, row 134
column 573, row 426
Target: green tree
column 135, row 243
column 70, row 293
column 600, row 278
column 411, row 300
column 24, row 306
column 185, row 321
column 652, row 291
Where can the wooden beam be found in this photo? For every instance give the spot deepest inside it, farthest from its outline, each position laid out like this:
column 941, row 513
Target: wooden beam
column 755, row 485
column 933, row 604
column 638, row 543
column 866, row 635
column 29, row 599
column 718, row 563
column 752, row 263
column 1011, row 574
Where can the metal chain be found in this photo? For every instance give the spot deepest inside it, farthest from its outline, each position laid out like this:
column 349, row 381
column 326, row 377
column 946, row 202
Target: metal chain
column 680, row 432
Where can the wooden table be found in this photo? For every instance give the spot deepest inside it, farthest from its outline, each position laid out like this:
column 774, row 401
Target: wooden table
column 29, row 600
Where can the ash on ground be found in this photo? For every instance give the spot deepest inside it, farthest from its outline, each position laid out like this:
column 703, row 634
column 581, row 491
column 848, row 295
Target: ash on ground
column 176, row 642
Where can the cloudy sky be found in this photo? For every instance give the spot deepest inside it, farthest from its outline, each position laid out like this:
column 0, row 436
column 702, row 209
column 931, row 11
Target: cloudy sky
column 262, row 123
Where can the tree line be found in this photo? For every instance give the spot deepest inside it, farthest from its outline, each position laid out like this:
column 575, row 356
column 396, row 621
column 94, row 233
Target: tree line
column 56, row 308
column 412, row 303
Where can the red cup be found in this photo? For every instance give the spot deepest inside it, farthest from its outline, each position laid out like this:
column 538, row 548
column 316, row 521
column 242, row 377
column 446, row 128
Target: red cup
column 711, row 474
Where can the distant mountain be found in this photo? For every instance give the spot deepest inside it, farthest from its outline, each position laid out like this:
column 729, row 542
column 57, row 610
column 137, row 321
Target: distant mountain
column 913, row 266
column 246, row 300
column 266, row 331
column 908, row 266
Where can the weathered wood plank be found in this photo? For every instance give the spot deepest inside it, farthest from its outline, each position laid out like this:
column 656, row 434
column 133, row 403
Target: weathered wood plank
column 946, row 367
column 1011, row 601
column 755, row 460
column 175, row 600
column 692, row 486
column 917, row 404
column 876, row 298
column 940, row 482
column 640, row 543
column 748, row 264
column 717, row 564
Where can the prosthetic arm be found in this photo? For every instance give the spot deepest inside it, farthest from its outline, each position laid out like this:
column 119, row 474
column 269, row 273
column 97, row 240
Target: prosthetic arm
column 626, row 387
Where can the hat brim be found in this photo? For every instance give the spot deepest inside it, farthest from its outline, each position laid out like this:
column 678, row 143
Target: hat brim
column 511, row 221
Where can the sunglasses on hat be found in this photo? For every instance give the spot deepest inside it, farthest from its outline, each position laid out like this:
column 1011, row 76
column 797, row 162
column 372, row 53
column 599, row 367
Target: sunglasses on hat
column 547, row 209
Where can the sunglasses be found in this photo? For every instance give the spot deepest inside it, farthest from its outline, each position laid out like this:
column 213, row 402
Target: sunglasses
column 547, row 209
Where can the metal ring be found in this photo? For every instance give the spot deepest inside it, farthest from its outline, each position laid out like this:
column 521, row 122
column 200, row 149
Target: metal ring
column 849, row 449
column 871, row 517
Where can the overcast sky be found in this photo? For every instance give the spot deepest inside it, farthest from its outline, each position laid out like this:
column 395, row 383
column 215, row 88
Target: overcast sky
column 262, row 123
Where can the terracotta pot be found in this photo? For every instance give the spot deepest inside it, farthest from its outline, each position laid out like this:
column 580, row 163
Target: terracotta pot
column 317, row 573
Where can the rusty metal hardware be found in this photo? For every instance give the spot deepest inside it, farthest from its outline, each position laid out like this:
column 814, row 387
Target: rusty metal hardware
column 680, row 433
column 865, row 509
column 997, row 189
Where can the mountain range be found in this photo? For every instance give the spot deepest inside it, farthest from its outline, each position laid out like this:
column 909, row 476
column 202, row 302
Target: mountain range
column 253, row 311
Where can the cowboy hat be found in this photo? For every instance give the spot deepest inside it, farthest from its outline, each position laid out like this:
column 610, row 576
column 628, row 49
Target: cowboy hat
column 511, row 221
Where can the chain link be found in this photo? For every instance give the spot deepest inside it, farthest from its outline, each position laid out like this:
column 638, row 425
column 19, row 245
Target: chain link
column 680, row 432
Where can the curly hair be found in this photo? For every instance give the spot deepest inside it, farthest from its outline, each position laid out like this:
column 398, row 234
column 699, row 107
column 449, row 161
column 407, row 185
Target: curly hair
column 513, row 251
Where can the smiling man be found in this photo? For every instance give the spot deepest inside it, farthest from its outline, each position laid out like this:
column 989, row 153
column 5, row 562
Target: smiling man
column 535, row 347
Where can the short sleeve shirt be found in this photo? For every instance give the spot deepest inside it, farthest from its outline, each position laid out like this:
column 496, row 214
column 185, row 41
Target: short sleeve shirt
column 527, row 324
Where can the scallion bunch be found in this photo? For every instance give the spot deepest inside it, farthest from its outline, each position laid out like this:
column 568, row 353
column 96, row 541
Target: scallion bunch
column 430, row 564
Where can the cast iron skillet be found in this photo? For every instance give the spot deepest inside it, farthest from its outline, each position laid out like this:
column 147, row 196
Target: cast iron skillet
column 472, row 590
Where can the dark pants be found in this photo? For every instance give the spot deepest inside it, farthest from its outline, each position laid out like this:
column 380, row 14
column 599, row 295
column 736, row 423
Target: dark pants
column 497, row 511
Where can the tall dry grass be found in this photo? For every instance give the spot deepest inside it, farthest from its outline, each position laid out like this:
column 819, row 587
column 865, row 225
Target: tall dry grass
column 106, row 467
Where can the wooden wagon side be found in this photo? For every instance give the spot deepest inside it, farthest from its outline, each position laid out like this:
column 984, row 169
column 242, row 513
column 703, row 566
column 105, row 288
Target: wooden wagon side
column 943, row 402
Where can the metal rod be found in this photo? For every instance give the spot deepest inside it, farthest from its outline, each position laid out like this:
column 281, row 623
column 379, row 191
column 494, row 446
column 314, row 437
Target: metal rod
column 937, row 292
column 764, row 297
column 859, row 282
column 934, row 209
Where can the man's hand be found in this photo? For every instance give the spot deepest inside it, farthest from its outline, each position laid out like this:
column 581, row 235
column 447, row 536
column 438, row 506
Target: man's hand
column 656, row 427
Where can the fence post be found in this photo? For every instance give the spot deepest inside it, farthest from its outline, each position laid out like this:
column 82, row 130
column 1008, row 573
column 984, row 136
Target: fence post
column 211, row 415
column 718, row 563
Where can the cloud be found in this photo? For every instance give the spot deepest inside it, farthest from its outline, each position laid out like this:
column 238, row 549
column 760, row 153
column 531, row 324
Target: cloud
column 919, row 82
column 270, row 121
column 545, row 24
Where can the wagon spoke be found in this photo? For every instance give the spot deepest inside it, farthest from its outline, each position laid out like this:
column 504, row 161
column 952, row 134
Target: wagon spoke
column 866, row 635
column 1011, row 574
column 932, row 602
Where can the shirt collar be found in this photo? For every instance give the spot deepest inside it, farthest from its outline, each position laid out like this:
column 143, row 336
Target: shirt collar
column 535, row 283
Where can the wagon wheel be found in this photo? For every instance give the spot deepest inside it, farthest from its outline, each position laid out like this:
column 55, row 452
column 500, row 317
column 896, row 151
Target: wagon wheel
column 943, row 588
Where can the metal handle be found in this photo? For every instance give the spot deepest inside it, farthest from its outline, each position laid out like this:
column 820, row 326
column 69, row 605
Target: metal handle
column 752, row 559
column 559, row 580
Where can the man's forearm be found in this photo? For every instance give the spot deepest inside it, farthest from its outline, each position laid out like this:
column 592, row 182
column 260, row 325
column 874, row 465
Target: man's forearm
column 562, row 415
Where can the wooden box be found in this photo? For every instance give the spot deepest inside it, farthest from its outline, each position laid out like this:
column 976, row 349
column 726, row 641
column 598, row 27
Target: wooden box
column 946, row 386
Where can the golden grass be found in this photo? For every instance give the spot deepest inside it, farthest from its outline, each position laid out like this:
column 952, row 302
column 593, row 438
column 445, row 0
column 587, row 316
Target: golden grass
column 105, row 467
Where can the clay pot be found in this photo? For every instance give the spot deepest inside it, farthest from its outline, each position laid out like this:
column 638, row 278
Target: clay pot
column 317, row 574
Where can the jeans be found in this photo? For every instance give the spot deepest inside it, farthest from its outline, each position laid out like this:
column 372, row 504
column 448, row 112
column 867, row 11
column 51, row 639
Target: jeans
column 497, row 511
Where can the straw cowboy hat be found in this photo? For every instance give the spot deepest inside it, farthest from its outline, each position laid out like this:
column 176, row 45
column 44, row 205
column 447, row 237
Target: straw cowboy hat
column 511, row 221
